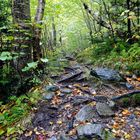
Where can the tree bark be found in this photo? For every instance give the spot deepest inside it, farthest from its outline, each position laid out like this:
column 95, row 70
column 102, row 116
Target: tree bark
column 21, row 18
column 37, row 52
column 128, row 20
column 54, row 32
column 98, row 20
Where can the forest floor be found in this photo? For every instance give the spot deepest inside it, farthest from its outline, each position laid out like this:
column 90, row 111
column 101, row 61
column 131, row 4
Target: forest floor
column 76, row 106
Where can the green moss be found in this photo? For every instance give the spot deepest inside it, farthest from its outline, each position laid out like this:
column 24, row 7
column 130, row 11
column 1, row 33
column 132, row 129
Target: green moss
column 136, row 99
column 124, row 102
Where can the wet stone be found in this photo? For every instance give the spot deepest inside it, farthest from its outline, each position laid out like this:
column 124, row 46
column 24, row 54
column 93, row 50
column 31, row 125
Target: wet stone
column 81, row 100
column 48, row 96
column 104, row 110
column 53, row 138
column 62, row 95
column 90, row 130
column 64, row 137
column 66, row 90
column 52, row 88
column 111, row 104
column 101, row 99
column 127, row 85
column 85, row 113
column 107, row 74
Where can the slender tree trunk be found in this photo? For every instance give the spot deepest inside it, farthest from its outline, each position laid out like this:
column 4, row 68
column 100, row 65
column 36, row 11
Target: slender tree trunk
column 138, row 12
column 129, row 20
column 54, row 32
column 109, row 18
column 37, row 53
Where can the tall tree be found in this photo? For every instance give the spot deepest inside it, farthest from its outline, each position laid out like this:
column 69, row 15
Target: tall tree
column 37, row 53
column 21, row 19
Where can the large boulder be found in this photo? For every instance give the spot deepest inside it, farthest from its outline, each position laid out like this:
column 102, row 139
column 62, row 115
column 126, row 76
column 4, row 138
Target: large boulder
column 85, row 113
column 90, row 130
column 94, row 132
column 104, row 110
column 107, row 74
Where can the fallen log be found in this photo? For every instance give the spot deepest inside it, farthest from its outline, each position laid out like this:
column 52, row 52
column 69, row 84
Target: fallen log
column 70, row 77
column 129, row 99
column 126, row 95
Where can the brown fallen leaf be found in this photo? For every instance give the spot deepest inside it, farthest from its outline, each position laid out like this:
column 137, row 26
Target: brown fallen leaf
column 125, row 112
column 72, row 132
column 115, row 126
column 76, row 91
column 56, row 101
column 138, row 79
column 59, row 122
column 27, row 134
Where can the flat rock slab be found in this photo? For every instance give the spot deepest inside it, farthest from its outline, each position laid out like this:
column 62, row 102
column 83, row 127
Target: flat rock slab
column 100, row 98
column 48, row 96
column 66, row 90
column 107, row 74
column 52, row 88
column 85, row 113
column 90, row 130
column 104, row 110
column 77, row 100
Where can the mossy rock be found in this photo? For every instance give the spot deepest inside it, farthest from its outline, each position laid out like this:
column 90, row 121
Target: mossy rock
column 136, row 99
column 125, row 102
column 133, row 100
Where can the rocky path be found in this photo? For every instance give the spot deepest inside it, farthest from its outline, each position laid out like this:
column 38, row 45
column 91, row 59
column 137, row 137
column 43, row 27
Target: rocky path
column 78, row 106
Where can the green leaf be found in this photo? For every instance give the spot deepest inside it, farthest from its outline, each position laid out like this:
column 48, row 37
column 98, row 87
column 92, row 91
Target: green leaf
column 5, row 56
column 44, row 60
column 32, row 64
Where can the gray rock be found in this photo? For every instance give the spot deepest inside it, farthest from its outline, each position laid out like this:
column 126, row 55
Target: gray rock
column 64, row 137
column 104, row 110
column 66, row 90
column 77, row 100
column 111, row 104
column 90, row 130
column 107, row 74
column 52, row 88
column 100, row 98
column 48, row 96
column 53, row 138
column 127, row 85
column 62, row 95
column 85, row 113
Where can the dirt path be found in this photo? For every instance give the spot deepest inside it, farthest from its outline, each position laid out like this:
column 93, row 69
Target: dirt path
column 77, row 107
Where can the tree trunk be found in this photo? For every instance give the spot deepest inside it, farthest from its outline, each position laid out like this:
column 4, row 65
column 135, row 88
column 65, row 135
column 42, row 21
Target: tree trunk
column 37, row 53
column 54, row 32
column 128, row 20
column 21, row 17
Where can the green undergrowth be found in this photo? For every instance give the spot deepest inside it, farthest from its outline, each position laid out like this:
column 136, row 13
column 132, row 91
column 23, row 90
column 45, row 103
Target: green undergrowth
column 121, row 55
column 17, row 109
column 134, row 101
column 56, row 62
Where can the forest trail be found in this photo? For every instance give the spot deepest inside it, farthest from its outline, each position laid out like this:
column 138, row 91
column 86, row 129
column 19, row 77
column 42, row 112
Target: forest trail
column 76, row 106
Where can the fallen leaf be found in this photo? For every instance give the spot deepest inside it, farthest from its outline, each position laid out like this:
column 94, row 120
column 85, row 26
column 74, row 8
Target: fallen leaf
column 115, row 126
column 51, row 123
column 76, row 91
column 72, row 132
column 127, row 136
column 126, row 112
column 138, row 79
column 56, row 101
column 59, row 122
column 41, row 137
column 27, row 134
